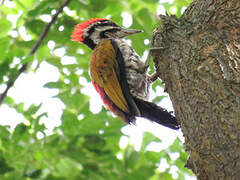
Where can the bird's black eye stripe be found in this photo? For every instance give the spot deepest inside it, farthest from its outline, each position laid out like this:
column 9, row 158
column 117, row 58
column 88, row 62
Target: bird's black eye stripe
column 101, row 23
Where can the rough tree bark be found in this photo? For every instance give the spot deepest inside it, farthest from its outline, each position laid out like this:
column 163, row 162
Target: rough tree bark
column 201, row 71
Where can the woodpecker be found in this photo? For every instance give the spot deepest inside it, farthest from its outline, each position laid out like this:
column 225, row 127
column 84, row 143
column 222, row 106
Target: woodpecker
column 118, row 74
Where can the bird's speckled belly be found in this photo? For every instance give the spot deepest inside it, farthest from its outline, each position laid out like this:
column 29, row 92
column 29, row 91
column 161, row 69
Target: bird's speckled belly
column 136, row 75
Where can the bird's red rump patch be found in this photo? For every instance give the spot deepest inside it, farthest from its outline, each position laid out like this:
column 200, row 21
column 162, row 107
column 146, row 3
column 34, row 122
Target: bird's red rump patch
column 104, row 97
column 79, row 29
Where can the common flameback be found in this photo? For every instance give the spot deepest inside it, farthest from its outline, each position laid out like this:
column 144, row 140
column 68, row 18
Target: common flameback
column 118, row 74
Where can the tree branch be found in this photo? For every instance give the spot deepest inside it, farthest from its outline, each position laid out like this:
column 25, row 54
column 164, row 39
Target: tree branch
column 33, row 50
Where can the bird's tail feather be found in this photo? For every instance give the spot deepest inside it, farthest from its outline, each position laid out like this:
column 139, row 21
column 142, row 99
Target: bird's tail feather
column 157, row 114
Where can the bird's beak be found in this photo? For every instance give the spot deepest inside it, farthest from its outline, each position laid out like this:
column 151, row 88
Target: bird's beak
column 127, row 32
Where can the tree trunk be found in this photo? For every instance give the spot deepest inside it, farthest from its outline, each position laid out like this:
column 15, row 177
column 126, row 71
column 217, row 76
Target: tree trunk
column 201, row 71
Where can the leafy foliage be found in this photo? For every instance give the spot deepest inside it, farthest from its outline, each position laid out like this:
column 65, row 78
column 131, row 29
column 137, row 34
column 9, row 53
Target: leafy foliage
column 85, row 145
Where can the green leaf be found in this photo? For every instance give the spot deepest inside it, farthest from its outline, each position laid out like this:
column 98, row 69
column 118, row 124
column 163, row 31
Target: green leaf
column 20, row 107
column 51, row 177
column 145, row 19
column 4, row 167
column 69, row 123
column 42, row 53
column 68, row 167
column 39, row 8
column 52, row 85
column 5, row 27
column 150, row 1
column 94, row 142
column 36, row 26
column 8, row 10
column 20, row 133
column 176, row 146
column 97, row 5
column 33, row 109
column 27, row 59
column 55, row 61
column 131, row 157
column 148, row 138
column 4, row 44
column 156, row 84
column 4, row 134
column 165, row 176
column 145, row 172
column 158, row 99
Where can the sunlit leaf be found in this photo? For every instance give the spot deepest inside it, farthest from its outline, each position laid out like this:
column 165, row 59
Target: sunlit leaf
column 5, row 27
column 42, row 53
column 148, row 138
column 158, row 99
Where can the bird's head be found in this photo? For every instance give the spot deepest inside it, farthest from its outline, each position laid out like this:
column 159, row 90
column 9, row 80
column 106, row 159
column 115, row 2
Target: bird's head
column 92, row 31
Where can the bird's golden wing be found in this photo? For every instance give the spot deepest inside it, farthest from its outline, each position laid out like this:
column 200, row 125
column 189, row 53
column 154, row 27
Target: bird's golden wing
column 104, row 71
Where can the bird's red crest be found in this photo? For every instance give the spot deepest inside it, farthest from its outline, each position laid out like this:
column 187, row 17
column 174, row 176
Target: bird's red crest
column 79, row 29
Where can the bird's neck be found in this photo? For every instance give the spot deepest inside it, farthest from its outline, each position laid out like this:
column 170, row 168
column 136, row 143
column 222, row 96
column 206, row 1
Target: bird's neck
column 90, row 43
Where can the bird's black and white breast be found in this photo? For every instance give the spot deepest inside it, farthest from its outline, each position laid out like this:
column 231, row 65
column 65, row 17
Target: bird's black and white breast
column 136, row 74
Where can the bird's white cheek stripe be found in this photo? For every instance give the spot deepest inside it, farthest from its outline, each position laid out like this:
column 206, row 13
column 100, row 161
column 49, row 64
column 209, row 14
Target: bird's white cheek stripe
column 95, row 37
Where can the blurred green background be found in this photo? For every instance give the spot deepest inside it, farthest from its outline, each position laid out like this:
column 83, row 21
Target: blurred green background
column 49, row 129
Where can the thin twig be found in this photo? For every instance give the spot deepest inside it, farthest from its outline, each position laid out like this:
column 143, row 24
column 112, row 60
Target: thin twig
column 33, row 50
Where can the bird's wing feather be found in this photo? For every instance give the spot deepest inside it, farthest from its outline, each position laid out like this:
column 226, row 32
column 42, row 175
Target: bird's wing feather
column 104, row 72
